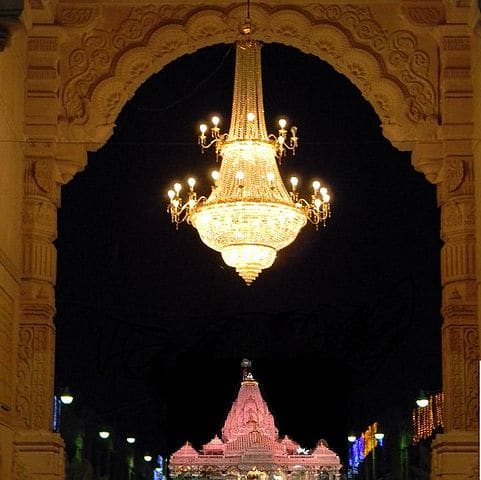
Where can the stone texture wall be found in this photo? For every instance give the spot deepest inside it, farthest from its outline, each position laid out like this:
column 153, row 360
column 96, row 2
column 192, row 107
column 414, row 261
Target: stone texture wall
column 12, row 74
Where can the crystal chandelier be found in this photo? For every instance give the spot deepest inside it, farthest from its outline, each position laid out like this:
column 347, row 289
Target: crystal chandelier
column 249, row 214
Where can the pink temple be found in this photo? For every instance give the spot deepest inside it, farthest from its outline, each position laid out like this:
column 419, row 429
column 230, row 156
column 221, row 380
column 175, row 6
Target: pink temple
column 250, row 447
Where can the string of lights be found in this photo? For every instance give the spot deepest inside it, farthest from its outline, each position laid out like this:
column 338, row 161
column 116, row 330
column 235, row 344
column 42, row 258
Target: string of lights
column 427, row 419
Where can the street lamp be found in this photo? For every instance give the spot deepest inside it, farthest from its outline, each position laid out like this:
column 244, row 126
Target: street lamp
column 147, row 457
column 422, row 400
column 104, row 434
column 66, row 397
column 351, row 438
column 130, row 440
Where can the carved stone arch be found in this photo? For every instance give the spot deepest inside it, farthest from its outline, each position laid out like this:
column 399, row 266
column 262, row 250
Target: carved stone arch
column 389, row 69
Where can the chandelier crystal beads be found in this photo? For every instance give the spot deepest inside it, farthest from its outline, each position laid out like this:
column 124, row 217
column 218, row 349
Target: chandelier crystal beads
column 249, row 215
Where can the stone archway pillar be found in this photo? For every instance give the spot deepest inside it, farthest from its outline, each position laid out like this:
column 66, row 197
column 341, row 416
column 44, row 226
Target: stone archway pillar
column 455, row 452
column 38, row 452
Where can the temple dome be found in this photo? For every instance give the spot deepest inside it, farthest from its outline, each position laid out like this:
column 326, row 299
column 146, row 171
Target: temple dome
column 216, row 445
column 290, row 445
column 187, row 450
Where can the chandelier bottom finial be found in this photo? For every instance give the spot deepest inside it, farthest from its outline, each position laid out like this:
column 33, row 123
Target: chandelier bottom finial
column 249, row 260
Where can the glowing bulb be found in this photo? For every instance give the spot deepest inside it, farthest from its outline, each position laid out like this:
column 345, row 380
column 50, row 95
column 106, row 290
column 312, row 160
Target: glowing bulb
column 215, row 120
column 294, row 182
column 250, row 117
column 66, row 397
column 323, row 191
column 215, row 175
column 177, row 187
column 240, row 176
column 351, row 438
column 171, row 194
column 326, row 198
column 191, row 203
column 422, row 402
column 147, row 458
column 281, row 139
column 175, row 203
column 270, row 177
column 203, row 128
column 317, row 203
column 191, row 182
column 104, row 434
column 130, row 440
column 379, row 435
column 282, row 123
column 316, row 185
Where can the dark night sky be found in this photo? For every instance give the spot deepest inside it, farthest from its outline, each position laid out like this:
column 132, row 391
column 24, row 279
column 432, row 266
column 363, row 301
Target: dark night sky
column 152, row 326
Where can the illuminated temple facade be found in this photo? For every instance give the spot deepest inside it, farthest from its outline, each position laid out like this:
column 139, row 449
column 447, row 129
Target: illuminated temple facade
column 250, row 447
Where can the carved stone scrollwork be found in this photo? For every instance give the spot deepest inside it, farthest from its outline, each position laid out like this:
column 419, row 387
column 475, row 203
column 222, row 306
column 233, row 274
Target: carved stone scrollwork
column 76, row 17
column 426, row 15
column 42, row 174
column 103, row 71
column 453, row 173
column 24, row 373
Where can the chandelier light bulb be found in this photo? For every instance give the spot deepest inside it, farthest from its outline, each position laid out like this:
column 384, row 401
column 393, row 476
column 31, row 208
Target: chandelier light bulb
column 282, row 123
column 326, row 198
column 317, row 203
column 215, row 175
column 215, row 120
column 203, row 128
column 294, row 182
column 316, row 185
column 323, row 191
column 239, row 176
column 191, row 182
column 177, row 187
column 171, row 194
column 250, row 117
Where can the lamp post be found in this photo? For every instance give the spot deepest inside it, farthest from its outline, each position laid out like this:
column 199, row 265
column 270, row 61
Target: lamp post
column 351, row 438
column 379, row 437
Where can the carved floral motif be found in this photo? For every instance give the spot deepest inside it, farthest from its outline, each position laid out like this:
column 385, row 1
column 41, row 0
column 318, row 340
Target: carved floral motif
column 424, row 15
column 455, row 370
column 24, row 374
column 472, row 377
column 453, row 173
column 355, row 19
column 94, row 58
column 42, row 174
column 76, row 17
column 356, row 44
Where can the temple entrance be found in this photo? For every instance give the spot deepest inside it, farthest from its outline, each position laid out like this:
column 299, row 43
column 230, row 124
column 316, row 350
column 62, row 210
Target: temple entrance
column 83, row 63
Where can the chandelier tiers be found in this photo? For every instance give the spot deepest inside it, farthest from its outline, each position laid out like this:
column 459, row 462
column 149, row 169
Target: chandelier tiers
column 249, row 214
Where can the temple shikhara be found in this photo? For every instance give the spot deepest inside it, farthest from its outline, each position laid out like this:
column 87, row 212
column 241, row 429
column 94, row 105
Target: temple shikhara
column 250, row 447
